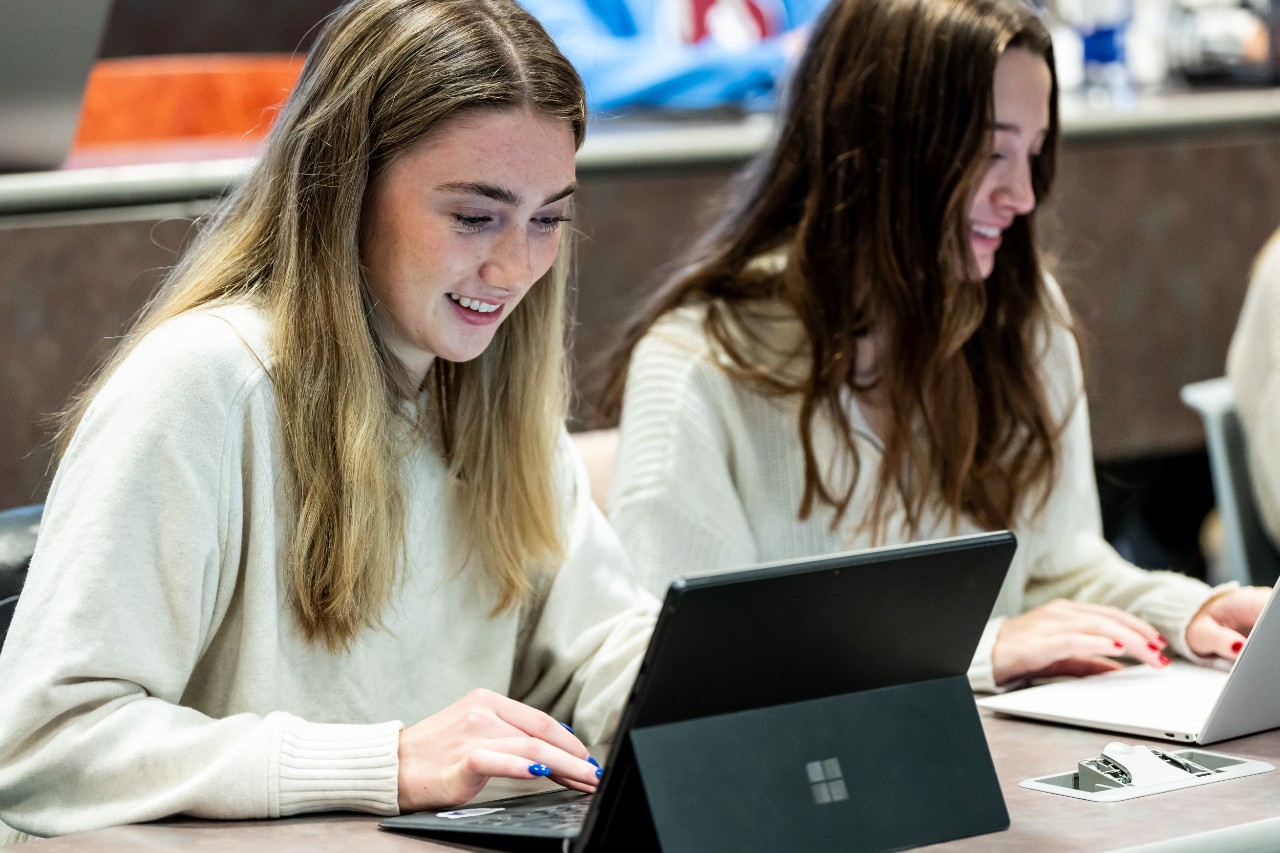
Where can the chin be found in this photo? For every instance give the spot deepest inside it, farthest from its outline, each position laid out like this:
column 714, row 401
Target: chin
column 463, row 354
column 462, row 357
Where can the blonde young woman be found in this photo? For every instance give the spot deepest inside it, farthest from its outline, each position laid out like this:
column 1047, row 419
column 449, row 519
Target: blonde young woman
column 867, row 350
column 324, row 486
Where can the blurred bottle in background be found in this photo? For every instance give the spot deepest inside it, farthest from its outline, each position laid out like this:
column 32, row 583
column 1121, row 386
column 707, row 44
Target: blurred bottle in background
column 1099, row 33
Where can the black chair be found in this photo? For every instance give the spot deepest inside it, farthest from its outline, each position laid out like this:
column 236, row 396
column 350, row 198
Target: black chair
column 18, row 528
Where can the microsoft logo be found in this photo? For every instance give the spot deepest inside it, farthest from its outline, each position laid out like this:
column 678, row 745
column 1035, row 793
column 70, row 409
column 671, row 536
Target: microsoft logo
column 827, row 781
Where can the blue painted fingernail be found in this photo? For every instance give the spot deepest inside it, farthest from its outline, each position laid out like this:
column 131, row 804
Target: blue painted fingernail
column 599, row 772
column 591, row 760
column 539, row 770
column 568, row 728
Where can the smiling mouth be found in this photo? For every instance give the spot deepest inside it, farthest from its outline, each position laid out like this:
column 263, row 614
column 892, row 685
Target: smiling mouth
column 988, row 231
column 473, row 304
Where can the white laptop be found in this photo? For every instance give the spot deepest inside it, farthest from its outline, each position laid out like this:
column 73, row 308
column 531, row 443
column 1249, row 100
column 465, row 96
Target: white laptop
column 1181, row 702
column 47, row 48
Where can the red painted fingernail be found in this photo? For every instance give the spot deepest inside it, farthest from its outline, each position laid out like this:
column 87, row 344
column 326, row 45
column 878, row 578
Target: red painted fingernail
column 1162, row 640
column 1118, row 644
column 1164, row 661
column 1237, row 646
column 1153, row 647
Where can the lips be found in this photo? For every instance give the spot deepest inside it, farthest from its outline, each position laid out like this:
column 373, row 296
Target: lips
column 985, row 237
column 475, row 311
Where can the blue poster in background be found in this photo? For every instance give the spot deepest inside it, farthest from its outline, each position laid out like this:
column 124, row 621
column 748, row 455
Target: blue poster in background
column 679, row 54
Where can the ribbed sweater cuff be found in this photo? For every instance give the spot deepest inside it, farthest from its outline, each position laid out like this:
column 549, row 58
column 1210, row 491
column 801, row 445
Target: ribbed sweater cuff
column 338, row 767
column 10, row 837
column 981, row 674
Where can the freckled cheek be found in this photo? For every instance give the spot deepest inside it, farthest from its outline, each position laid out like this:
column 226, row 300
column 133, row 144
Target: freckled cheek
column 440, row 260
column 547, row 255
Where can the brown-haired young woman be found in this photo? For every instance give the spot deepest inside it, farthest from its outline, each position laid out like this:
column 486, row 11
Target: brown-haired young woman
column 324, row 486
column 868, row 350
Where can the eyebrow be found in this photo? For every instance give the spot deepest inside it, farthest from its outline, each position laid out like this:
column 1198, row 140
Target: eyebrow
column 502, row 194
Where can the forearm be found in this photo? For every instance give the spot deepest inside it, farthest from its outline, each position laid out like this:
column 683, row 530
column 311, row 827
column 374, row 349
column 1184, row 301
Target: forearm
column 1095, row 573
column 133, row 758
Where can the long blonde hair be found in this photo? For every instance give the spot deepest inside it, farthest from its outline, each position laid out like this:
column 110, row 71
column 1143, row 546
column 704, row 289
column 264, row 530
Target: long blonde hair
column 382, row 75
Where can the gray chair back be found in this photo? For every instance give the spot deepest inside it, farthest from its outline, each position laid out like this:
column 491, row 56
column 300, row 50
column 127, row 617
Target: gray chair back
column 1248, row 553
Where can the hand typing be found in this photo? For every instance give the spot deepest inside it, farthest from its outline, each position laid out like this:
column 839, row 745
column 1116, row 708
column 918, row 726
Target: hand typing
column 1221, row 625
column 1072, row 638
column 447, row 758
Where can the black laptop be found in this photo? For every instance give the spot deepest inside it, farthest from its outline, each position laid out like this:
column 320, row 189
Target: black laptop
column 811, row 704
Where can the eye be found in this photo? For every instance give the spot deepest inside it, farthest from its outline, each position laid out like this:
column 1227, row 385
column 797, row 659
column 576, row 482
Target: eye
column 471, row 223
column 1003, row 152
column 550, row 223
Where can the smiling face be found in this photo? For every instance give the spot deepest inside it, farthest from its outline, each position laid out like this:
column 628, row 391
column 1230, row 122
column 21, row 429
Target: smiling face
column 1020, row 93
column 457, row 229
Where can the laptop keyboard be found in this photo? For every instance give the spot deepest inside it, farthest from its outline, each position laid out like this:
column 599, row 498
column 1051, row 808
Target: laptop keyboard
column 556, row 818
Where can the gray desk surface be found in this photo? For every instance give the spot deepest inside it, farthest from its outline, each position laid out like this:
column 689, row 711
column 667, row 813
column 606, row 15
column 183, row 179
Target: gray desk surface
column 616, row 144
column 1239, row 814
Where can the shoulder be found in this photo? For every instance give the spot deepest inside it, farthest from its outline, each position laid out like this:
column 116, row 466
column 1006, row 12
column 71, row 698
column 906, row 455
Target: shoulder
column 218, row 337
column 192, row 363
column 1261, row 311
column 1057, row 335
column 1057, row 351
column 229, row 339
column 1266, row 268
column 1255, row 344
column 178, row 411
column 679, row 333
column 673, row 353
column 765, row 334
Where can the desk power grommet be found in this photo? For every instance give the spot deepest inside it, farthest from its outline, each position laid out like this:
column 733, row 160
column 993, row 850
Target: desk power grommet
column 1123, row 771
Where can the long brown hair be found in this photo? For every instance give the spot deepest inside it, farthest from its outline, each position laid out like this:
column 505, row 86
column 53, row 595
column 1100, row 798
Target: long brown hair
column 864, row 199
column 382, row 75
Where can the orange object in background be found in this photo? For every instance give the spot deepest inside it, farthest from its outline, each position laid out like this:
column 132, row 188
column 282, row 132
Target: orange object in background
column 155, row 99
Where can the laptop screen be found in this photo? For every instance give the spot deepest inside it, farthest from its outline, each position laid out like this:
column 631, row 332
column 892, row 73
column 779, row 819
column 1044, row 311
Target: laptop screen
column 805, row 629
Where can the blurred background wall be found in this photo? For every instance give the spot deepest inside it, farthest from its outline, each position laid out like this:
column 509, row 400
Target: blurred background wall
column 1156, row 217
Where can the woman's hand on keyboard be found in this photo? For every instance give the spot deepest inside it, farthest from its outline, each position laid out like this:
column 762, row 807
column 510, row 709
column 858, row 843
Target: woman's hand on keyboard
column 1067, row 637
column 1219, row 628
column 447, row 758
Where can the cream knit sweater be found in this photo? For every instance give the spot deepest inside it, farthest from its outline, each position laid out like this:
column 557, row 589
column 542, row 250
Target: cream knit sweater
column 1253, row 364
column 710, row 475
column 153, row 666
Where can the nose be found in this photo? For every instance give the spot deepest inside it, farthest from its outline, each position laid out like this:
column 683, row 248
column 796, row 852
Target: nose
column 1017, row 190
column 509, row 264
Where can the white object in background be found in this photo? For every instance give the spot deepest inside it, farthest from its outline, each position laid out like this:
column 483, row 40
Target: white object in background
column 1146, row 42
column 1068, row 56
